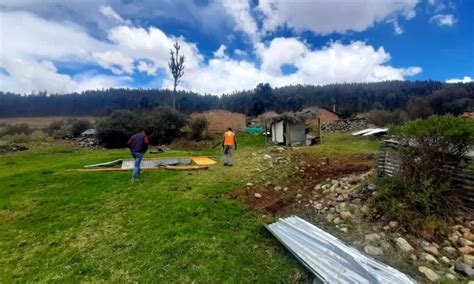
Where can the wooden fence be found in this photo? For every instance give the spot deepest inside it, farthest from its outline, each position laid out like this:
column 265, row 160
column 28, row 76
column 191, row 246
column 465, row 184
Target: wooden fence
column 463, row 181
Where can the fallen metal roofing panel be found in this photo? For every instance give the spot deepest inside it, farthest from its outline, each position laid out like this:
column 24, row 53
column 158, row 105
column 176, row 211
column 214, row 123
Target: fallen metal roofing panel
column 111, row 163
column 376, row 131
column 328, row 258
column 360, row 132
column 130, row 164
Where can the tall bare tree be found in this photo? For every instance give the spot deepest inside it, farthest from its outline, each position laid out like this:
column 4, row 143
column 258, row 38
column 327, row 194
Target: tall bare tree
column 176, row 66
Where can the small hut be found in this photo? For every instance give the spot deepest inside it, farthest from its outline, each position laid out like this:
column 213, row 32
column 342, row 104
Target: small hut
column 288, row 128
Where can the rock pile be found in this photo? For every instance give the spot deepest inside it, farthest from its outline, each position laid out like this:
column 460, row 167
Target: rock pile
column 87, row 142
column 12, row 148
column 347, row 125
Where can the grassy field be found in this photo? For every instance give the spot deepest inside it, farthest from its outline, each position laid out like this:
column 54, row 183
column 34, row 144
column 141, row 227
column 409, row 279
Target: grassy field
column 169, row 227
column 41, row 122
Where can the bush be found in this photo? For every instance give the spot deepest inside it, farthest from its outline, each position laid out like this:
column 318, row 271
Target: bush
column 55, row 126
column 21, row 128
column 115, row 130
column 430, row 154
column 197, row 127
column 385, row 117
column 36, row 136
column 80, row 125
column 165, row 125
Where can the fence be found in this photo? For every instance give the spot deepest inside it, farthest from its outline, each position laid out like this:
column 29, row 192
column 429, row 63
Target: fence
column 463, row 181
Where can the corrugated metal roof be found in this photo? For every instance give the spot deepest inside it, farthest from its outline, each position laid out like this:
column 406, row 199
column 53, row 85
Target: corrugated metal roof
column 328, row 258
column 130, row 164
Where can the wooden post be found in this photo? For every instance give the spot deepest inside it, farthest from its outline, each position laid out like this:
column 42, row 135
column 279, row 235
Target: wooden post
column 319, row 131
column 265, row 134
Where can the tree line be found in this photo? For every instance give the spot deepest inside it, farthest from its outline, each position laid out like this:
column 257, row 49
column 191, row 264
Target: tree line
column 419, row 97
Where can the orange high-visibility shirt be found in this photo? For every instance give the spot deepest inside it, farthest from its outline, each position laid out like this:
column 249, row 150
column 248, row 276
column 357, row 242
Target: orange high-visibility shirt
column 229, row 138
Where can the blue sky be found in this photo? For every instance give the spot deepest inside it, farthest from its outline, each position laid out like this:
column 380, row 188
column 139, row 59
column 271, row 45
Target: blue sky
column 66, row 46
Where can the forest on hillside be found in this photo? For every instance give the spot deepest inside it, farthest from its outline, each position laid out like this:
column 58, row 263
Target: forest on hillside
column 420, row 97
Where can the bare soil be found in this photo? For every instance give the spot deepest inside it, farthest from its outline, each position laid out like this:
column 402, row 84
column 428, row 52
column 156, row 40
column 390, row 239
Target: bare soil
column 314, row 170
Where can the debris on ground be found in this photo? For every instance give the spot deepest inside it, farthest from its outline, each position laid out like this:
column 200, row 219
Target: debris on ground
column 12, row 148
column 88, row 142
column 328, row 258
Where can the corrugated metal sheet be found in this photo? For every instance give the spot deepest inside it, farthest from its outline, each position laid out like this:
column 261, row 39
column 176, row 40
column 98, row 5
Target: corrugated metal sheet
column 129, row 164
column 328, row 258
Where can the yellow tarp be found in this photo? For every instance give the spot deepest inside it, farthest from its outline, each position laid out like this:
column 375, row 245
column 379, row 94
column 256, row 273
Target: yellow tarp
column 203, row 161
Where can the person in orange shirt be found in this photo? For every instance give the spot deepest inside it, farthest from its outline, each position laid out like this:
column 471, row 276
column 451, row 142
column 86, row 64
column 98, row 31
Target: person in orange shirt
column 229, row 144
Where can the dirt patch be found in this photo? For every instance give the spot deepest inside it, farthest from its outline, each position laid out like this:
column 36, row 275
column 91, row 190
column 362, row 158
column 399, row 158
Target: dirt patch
column 220, row 120
column 292, row 197
column 270, row 200
column 315, row 170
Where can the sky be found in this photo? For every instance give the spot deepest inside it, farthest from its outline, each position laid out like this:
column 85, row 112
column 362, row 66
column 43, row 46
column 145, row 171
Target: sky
column 231, row 45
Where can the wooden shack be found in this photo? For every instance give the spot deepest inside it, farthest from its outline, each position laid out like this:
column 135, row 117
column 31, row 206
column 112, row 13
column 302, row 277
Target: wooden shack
column 288, row 128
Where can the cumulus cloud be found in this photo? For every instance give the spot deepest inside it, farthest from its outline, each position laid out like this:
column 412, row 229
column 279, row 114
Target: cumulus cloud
column 131, row 49
column 446, row 20
column 110, row 13
column 326, row 17
column 335, row 63
column 240, row 11
column 466, row 79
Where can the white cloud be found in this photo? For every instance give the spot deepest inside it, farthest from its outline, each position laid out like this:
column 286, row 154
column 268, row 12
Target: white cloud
column 148, row 68
column 335, row 63
column 110, row 13
column 466, row 79
column 220, row 52
column 240, row 52
column 240, row 11
column 447, row 20
column 115, row 61
column 397, row 28
column 326, row 17
column 32, row 48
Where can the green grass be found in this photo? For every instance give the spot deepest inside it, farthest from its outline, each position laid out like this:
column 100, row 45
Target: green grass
column 345, row 144
column 169, row 227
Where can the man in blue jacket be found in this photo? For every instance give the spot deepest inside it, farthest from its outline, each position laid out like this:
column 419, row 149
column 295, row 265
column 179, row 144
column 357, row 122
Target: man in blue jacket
column 138, row 145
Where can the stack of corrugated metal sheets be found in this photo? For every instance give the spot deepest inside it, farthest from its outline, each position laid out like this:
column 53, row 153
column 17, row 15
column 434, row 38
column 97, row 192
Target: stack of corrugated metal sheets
column 146, row 164
column 328, row 258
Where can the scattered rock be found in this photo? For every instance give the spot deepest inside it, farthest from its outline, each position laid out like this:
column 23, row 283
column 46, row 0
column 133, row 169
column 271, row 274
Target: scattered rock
column 371, row 187
column 403, row 244
column 249, row 184
column 337, row 220
column 372, row 237
column 446, row 260
column 365, row 209
column 318, row 206
column 468, row 260
column 432, row 250
column 450, row 250
column 385, row 245
column 466, row 250
column 299, row 195
column 466, row 269
column 346, row 215
column 257, row 195
column 369, row 249
column 464, row 242
column 450, row 276
column 267, row 157
column 430, row 274
column 428, row 257
column 277, row 188
column 344, row 229
column 393, row 224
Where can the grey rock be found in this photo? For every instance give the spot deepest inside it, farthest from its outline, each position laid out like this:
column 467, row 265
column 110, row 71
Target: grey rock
column 257, row 195
column 430, row 274
column 372, row 237
column 428, row 257
column 372, row 250
column 403, row 244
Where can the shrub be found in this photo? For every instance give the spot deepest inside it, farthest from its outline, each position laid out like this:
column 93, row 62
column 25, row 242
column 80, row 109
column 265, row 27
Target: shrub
column 115, row 130
column 21, row 128
column 80, row 125
column 165, row 125
column 430, row 154
column 197, row 127
column 55, row 126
